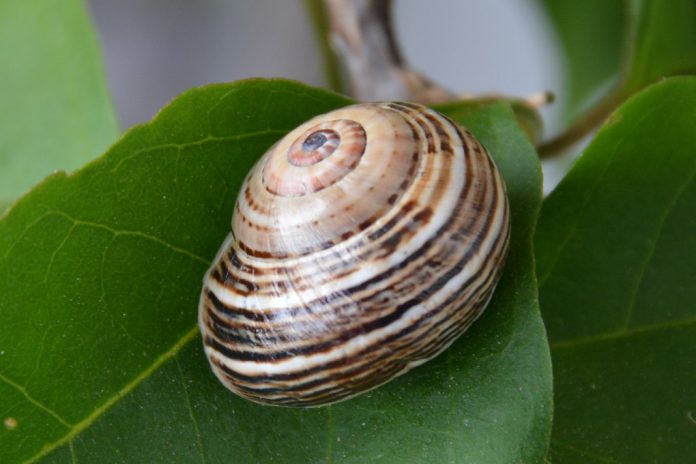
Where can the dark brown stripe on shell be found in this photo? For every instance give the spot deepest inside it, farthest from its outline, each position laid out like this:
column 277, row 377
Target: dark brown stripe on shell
column 375, row 324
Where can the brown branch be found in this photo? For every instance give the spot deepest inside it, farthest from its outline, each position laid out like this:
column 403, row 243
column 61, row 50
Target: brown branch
column 363, row 37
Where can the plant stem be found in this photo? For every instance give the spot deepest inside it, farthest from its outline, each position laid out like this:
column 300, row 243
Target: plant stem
column 580, row 127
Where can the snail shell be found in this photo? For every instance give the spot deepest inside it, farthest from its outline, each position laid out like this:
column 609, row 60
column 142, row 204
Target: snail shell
column 363, row 244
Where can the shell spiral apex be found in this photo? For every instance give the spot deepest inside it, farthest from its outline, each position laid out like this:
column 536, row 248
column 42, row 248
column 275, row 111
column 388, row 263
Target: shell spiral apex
column 363, row 244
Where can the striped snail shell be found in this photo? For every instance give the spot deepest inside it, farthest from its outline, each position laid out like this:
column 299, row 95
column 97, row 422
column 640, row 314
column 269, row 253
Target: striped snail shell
column 363, row 244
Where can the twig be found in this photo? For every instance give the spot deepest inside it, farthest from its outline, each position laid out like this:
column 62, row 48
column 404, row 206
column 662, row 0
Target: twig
column 363, row 37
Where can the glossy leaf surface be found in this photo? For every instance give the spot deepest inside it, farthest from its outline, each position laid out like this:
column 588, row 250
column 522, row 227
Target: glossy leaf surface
column 616, row 256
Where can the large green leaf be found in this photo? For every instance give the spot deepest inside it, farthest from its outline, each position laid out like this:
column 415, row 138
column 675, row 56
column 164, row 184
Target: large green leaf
column 56, row 109
column 100, row 272
column 616, row 255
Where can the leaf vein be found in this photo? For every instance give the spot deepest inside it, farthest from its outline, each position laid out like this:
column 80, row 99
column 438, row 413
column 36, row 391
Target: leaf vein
column 134, row 233
column 60, row 246
column 113, row 400
column 330, row 435
column 203, row 141
column 586, row 454
column 73, row 457
column 623, row 333
column 590, row 194
column 199, row 441
column 34, row 401
column 651, row 253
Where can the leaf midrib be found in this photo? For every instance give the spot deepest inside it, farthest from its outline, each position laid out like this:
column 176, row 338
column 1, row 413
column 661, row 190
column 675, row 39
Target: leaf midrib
column 114, row 399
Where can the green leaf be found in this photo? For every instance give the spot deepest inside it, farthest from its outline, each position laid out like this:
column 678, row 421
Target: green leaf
column 100, row 274
column 665, row 41
column 630, row 43
column 592, row 33
column 616, row 255
column 57, row 113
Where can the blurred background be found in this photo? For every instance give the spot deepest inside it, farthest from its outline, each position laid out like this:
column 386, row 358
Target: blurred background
column 156, row 49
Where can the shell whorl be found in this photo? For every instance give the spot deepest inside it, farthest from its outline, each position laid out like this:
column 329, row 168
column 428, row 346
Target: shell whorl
column 363, row 244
